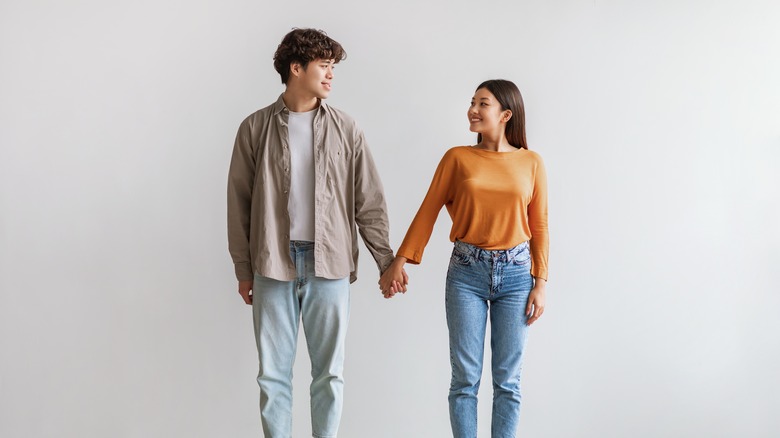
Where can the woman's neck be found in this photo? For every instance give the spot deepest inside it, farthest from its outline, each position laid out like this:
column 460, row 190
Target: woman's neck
column 495, row 144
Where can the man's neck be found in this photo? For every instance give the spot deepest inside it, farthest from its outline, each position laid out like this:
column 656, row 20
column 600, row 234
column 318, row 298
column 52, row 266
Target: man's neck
column 299, row 102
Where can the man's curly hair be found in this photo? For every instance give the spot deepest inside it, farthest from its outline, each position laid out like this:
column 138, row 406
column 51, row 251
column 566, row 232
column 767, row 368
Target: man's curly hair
column 303, row 46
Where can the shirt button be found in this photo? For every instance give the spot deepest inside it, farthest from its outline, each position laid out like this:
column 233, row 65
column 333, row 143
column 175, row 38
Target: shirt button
column 285, row 191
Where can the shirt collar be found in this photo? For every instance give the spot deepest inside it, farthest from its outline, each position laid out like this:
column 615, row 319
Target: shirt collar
column 279, row 106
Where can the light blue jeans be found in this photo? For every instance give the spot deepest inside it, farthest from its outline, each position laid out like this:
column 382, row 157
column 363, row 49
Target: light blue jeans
column 481, row 283
column 278, row 306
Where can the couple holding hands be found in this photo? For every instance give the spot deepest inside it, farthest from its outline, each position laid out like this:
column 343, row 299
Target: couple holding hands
column 302, row 184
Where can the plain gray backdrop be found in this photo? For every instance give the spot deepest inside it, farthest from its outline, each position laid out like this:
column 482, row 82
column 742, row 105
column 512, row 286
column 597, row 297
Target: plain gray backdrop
column 659, row 122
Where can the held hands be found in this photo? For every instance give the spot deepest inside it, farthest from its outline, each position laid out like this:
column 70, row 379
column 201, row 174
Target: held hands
column 394, row 280
column 535, row 307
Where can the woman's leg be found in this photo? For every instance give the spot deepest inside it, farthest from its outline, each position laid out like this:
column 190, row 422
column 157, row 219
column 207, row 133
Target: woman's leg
column 466, row 307
column 508, row 333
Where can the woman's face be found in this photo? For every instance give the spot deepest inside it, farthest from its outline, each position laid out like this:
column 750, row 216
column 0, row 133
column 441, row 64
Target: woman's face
column 485, row 113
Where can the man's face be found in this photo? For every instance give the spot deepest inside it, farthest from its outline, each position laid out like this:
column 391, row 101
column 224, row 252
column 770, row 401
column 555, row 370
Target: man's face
column 316, row 78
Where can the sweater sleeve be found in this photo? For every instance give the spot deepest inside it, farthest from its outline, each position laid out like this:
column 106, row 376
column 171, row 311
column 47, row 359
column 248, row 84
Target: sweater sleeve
column 439, row 193
column 537, row 222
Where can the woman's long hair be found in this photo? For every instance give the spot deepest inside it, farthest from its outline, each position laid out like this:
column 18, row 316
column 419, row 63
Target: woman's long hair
column 508, row 95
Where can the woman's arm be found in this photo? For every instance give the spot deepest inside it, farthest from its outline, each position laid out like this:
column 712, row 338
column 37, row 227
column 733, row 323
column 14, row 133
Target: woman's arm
column 394, row 279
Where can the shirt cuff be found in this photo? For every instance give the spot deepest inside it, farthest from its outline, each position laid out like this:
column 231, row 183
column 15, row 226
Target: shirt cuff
column 244, row 271
column 384, row 262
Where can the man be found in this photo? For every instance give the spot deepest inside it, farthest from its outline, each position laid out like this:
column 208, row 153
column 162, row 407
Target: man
column 301, row 184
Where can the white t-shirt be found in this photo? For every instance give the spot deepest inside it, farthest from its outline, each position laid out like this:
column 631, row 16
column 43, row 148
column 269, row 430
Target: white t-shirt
column 301, row 203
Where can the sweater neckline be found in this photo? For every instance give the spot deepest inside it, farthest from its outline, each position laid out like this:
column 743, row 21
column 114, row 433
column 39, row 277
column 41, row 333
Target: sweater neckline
column 494, row 154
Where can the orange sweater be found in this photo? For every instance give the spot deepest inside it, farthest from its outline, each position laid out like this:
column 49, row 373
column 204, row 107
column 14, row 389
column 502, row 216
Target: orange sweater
column 496, row 200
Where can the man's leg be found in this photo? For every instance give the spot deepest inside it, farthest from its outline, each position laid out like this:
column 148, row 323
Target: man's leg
column 276, row 312
column 325, row 314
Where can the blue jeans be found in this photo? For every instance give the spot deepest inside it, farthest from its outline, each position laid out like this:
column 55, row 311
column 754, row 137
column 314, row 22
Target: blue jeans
column 481, row 283
column 278, row 306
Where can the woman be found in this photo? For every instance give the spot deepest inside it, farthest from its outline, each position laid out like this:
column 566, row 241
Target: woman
column 496, row 195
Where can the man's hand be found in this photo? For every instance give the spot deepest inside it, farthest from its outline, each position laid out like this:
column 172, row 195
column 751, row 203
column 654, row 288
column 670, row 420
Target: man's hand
column 245, row 289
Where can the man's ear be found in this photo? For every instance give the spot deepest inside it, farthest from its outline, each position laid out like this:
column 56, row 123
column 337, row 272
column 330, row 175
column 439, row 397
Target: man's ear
column 295, row 69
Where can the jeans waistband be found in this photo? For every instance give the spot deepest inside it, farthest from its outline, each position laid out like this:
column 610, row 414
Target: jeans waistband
column 499, row 255
column 301, row 245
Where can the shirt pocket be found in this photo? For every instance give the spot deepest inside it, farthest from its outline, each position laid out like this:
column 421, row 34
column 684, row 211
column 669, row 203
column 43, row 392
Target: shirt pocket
column 337, row 167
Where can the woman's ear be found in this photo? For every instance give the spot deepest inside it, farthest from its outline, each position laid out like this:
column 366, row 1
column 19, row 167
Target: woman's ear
column 506, row 116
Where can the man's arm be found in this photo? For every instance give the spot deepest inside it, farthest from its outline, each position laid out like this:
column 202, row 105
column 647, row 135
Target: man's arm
column 370, row 207
column 241, row 178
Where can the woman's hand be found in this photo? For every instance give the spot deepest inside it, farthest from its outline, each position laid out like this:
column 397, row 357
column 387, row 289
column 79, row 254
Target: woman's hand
column 394, row 279
column 535, row 307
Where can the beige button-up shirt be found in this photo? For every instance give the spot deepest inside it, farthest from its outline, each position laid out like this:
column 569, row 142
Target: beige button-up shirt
column 348, row 197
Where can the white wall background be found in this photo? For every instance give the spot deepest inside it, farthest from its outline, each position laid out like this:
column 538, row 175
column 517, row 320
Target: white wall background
column 658, row 122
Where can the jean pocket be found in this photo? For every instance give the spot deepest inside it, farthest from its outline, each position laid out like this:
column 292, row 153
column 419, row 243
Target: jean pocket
column 459, row 258
column 522, row 260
